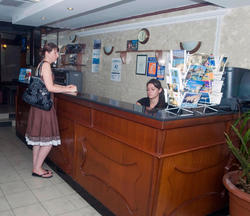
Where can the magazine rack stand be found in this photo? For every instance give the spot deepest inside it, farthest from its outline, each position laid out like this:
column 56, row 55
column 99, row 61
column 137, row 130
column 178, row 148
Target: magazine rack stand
column 178, row 111
column 205, row 107
column 200, row 109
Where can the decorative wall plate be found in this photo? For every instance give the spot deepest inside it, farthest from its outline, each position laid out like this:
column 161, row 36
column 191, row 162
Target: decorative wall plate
column 108, row 49
column 190, row 46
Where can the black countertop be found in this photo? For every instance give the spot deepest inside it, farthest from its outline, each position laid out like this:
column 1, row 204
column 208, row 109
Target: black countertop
column 171, row 113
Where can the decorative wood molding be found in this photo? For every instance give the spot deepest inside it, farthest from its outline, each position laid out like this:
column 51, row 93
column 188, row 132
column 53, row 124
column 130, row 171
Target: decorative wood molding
column 157, row 22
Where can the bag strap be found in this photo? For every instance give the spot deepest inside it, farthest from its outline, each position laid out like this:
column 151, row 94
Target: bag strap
column 39, row 67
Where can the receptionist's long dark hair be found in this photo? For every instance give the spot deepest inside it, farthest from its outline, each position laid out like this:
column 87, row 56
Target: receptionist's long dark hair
column 162, row 103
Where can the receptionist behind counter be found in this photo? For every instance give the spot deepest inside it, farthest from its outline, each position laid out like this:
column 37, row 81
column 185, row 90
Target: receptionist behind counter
column 155, row 99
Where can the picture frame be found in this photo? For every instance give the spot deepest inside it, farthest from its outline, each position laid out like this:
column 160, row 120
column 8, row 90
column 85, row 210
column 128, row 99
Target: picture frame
column 132, row 45
column 141, row 64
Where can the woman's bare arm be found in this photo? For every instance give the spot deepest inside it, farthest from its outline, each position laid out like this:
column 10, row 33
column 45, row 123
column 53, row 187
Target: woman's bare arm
column 46, row 73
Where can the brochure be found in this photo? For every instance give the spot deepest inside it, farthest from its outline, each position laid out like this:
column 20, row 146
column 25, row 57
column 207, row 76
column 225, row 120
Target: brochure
column 178, row 60
column 160, row 72
column 215, row 97
column 175, row 80
column 196, row 72
column 193, row 86
column 217, row 85
column 152, row 67
column 205, row 98
column 223, row 61
column 190, row 100
column 207, row 86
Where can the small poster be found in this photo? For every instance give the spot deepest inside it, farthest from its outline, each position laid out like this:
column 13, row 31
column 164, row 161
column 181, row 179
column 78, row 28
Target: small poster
column 160, row 72
column 152, row 67
column 116, row 69
column 96, row 56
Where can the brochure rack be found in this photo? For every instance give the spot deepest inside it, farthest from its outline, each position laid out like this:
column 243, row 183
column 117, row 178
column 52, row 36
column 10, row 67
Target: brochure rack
column 194, row 82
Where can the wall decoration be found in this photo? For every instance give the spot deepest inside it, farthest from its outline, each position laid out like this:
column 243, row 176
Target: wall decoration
column 108, row 49
column 143, row 36
column 116, row 69
column 96, row 56
column 132, row 45
column 160, row 72
column 152, row 67
column 190, row 46
column 141, row 64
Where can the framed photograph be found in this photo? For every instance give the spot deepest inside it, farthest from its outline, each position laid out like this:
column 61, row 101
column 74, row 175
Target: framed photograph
column 132, row 45
column 141, row 64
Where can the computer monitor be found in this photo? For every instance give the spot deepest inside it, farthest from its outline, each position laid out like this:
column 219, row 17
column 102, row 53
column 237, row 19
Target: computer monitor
column 236, row 87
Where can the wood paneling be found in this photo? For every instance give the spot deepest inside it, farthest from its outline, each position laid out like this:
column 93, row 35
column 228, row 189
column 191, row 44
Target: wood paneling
column 113, row 172
column 195, row 136
column 73, row 111
column 129, row 132
column 63, row 155
column 190, row 183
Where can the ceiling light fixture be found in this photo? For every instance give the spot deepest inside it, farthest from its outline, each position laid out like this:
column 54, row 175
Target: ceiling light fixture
column 43, row 18
column 70, row 8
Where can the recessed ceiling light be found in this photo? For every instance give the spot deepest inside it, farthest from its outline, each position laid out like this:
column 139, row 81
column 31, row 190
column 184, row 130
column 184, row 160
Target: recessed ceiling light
column 70, row 8
column 43, row 18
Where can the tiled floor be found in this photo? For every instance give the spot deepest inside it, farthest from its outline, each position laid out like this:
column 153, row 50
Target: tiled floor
column 24, row 195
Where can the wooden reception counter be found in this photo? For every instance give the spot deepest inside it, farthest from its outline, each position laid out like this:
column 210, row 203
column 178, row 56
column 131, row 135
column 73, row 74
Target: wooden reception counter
column 137, row 163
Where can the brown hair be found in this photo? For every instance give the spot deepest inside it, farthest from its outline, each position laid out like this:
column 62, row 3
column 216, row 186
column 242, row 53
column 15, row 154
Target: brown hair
column 157, row 84
column 48, row 47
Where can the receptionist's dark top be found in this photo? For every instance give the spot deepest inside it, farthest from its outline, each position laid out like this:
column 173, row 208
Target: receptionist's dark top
column 145, row 102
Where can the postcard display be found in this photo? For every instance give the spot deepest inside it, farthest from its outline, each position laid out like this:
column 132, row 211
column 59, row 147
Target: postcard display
column 194, row 80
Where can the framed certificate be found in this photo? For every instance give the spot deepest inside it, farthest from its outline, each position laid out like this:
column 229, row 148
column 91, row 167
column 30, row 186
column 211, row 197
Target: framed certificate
column 141, row 64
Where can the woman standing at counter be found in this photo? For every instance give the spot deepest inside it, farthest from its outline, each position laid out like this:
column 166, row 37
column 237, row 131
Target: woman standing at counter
column 42, row 129
column 155, row 96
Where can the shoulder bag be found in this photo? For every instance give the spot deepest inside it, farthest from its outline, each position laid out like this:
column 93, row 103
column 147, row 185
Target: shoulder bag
column 37, row 94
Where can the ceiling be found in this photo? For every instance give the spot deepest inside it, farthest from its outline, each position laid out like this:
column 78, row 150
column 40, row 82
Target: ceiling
column 54, row 13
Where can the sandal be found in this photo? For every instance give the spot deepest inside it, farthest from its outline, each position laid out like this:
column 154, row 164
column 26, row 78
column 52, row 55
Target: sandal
column 44, row 175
